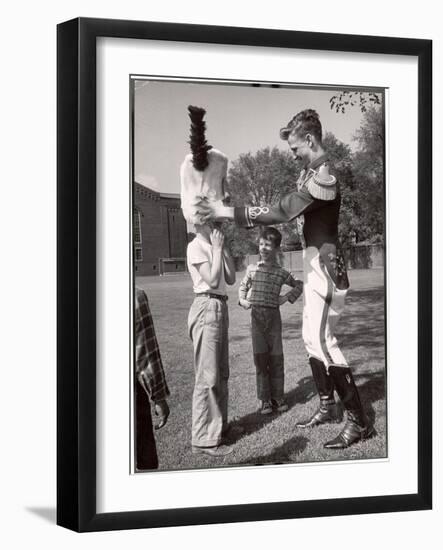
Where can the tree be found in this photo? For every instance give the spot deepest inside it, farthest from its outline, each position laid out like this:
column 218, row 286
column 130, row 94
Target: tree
column 341, row 160
column 371, row 134
column 241, row 240
column 261, row 179
column 361, row 177
column 368, row 166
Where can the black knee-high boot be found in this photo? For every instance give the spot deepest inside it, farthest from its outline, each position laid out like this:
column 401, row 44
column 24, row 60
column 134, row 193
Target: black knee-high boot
column 325, row 386
column 357, row 426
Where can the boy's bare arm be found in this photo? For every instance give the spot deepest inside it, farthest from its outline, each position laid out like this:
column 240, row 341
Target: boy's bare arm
column 243, row 290
column 211, row 273
column 229, row 266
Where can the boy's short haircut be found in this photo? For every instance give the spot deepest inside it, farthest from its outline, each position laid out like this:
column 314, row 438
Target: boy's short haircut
column 271, row 234
column 304, row 122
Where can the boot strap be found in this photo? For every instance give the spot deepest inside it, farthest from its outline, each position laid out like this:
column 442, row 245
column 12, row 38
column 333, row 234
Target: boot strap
column 354, row 429
column 328, row 401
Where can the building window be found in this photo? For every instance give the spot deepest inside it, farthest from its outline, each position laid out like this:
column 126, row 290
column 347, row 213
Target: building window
column 137, row 227
column 138, row 254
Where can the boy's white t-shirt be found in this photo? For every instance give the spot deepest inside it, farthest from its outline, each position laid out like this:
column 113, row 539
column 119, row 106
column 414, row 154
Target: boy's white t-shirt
column 200, row 251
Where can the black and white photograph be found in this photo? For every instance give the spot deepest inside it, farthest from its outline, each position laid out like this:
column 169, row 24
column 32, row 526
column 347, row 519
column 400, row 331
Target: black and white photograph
column 223, row 231
column 258, row 267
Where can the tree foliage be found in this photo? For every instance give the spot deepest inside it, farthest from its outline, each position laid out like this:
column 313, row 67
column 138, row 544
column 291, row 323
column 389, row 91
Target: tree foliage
column 369, row 173
column 344, row 100
column 261, row 178
column 257, row 180
column 361, row 177
column 341, row 161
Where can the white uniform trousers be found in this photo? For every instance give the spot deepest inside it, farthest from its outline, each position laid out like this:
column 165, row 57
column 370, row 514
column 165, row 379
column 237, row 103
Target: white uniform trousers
column 323, row 304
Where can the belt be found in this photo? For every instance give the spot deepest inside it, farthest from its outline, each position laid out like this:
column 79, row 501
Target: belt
column 221, row 297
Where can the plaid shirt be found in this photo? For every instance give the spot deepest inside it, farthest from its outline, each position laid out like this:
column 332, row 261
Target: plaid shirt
column 262, row 283
column 148, row 362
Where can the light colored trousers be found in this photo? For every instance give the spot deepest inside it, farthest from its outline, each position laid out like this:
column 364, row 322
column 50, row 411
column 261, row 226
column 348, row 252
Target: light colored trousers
column 323, row 304
column 208, row 324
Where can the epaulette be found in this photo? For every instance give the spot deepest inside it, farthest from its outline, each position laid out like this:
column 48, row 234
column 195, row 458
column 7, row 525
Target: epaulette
column 321, row 184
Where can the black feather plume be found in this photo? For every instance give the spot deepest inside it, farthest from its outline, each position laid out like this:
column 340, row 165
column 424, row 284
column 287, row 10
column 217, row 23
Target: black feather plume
column 197, row 141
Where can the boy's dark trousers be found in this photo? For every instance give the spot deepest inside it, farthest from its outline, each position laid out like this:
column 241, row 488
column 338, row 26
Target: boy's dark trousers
column 145, row 448
column 268, row 352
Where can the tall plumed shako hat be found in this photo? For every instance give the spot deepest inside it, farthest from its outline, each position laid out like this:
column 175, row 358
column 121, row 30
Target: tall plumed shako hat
column 203, row 171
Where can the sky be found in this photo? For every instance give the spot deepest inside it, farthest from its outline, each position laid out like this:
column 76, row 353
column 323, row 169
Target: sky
column 239, row 119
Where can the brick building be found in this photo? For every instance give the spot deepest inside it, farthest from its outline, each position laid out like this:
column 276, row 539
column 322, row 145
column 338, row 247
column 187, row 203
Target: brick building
column 159, row 232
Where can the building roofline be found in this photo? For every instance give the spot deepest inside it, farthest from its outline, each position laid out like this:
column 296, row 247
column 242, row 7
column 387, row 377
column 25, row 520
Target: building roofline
column 170, row 195
column 157, row 193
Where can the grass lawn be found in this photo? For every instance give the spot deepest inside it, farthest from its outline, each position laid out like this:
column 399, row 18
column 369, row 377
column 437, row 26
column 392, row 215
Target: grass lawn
column 271, row 439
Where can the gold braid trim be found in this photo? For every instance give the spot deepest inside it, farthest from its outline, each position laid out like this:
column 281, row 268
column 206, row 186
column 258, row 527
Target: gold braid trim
column 319, row 188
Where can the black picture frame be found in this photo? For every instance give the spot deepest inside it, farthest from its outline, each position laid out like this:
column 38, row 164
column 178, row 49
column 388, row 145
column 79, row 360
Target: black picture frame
column 76, row 279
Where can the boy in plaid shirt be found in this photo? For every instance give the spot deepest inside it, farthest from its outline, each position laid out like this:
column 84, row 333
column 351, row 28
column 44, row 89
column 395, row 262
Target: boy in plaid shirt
column 149, row 384
column 260, row 292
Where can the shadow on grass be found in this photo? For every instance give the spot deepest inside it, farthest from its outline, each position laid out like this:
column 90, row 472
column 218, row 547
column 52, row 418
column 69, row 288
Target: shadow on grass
column 239, row 337
column 255, row 421
column 365, row 326
column 361, row 332
column 373, row 389
column 283, row 454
